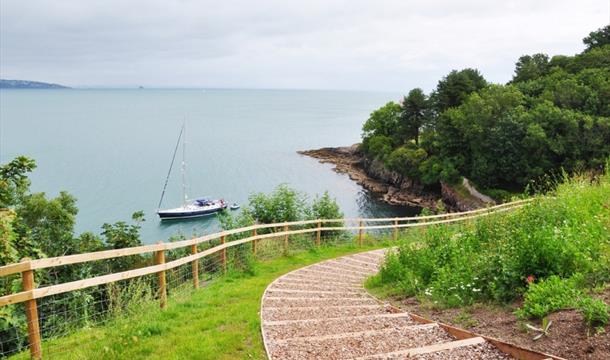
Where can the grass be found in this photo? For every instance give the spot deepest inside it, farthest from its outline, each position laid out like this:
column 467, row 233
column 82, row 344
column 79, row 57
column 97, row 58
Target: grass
column 219, row 321
column 556, row 245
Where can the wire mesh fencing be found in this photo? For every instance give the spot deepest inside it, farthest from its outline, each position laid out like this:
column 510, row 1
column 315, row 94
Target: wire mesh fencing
column 63, row 314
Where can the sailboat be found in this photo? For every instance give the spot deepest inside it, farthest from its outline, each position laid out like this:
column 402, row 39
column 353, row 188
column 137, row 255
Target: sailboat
column 190, row 208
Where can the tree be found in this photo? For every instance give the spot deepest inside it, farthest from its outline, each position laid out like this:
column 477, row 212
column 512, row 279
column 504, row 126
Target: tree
column 380, row 131
column 406, row 160
column 383, row 121
column 413, row 113
column 454, row 88
column 14, row 182
column 530, row 67
column 46, row 226
column 597, row 38
column 378, row 146
column 490, row 124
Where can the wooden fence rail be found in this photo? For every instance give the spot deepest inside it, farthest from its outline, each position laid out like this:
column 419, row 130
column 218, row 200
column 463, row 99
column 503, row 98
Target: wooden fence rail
column 27, row 267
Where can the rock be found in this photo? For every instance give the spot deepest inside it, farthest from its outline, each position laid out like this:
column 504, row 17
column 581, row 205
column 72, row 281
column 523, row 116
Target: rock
column 464, row 196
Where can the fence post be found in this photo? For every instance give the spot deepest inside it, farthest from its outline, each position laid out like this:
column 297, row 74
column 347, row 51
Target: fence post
column 195, row 266
column 160, row 259
column 395, row 229
column 286, row 239
column 254, row 242
column 318, row 233
column 31, row 314
column 360, row 231
column 223, row 254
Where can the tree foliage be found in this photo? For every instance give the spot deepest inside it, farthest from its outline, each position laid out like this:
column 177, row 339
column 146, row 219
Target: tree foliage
column 554, row 115
column 455, row 88
column 598, row 38
column 413, row 114
column 531, row 67
column 35, row 226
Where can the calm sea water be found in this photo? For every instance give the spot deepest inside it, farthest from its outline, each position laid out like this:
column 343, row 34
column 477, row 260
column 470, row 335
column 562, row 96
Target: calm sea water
column 112, row 148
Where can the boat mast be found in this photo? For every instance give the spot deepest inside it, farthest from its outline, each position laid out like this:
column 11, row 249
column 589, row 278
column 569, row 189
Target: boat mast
column 184, row 195
column 171, row 165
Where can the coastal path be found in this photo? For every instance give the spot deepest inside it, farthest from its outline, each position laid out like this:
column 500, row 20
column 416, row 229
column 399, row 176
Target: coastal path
column 322, row 311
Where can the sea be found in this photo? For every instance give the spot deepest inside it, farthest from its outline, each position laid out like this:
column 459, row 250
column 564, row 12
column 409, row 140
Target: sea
column 112, row 148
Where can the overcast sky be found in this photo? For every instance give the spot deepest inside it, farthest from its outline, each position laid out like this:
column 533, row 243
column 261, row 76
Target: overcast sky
column 327, row 44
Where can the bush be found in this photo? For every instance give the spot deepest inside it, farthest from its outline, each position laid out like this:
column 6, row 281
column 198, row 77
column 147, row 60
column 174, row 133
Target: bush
column 284, row 204
column 325, row 207
column 549, row 295
column 595, row 311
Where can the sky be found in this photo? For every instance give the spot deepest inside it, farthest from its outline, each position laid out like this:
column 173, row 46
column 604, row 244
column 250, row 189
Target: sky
column 314, row 44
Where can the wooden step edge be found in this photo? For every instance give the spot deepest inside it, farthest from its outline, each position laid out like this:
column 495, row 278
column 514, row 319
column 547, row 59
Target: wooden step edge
column 338, row 318
column 427, row 349
column 369, row 256
column 447, row 346
column 329, row 274
column 342, row 285
column 320, row 299
column 337, row 267
column 375, row 306
column 348, row 334
column 316, row 291
column 295, row 277
column 358, row 264
column 320, row 288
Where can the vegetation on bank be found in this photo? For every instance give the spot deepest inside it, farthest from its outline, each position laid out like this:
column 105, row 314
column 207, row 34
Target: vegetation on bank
column 35, row 226
column 553, row 115
column 218, row 321
column 552, row 253
column 282, row 205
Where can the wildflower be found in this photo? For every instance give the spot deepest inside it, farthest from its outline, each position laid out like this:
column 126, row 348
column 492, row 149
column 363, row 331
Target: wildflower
column 530, row 279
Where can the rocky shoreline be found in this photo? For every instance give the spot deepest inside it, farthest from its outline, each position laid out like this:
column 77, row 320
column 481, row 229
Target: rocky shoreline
column 390, row 187
column 394, row 188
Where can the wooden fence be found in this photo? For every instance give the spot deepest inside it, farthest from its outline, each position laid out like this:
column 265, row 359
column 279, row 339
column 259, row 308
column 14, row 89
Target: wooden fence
column 27, row 266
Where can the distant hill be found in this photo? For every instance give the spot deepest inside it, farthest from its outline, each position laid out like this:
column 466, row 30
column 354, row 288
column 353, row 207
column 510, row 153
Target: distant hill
column 25, row 84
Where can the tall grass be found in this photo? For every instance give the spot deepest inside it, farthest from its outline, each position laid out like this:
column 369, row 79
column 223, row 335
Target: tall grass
column 565, row 234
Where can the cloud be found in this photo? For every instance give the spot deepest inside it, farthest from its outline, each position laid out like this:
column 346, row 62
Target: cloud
column 389, row 45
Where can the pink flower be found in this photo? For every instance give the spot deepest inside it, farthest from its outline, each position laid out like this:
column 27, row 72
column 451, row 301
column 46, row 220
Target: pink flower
column 530, row 279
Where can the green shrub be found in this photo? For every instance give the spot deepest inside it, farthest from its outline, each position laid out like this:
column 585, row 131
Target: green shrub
column 563, row 236
column 392, row 270
column 549, row 295
column 595, row 311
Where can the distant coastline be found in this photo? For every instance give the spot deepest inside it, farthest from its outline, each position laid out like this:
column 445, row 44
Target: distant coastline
column 26, row 84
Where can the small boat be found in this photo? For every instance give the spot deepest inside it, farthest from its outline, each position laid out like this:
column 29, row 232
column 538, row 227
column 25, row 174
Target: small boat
column 235, row 206
column 189, row 209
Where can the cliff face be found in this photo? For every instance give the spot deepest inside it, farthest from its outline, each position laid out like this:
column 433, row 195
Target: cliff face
column 400, row 189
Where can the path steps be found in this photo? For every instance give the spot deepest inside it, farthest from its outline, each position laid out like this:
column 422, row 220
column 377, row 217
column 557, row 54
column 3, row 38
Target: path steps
column 322, row 311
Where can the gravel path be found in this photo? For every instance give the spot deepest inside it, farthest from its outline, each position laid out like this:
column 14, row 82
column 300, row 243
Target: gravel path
column 322, row 311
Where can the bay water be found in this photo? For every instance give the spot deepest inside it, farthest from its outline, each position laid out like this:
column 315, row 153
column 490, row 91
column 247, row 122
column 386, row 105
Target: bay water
column 111, row 148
